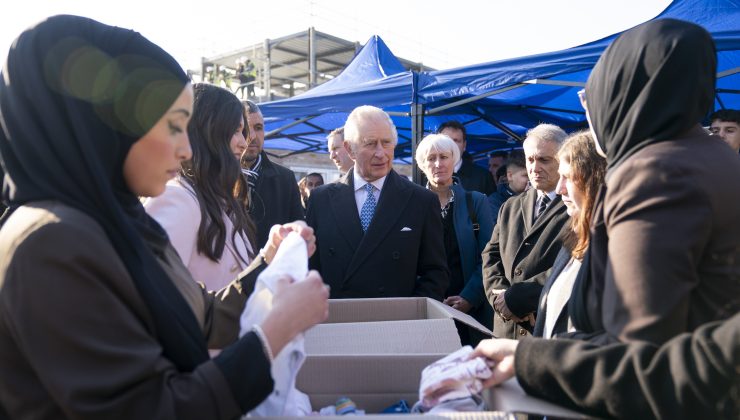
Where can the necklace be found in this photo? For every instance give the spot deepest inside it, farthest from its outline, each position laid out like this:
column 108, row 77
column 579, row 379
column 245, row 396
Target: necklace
column 450, row 199
column 444, row 202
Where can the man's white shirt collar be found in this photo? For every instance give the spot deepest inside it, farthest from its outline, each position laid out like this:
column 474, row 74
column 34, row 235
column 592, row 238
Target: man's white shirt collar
column 552, row 194
column 360, row 182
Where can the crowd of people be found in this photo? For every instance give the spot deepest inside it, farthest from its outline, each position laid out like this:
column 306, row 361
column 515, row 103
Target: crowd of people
column 141, row 208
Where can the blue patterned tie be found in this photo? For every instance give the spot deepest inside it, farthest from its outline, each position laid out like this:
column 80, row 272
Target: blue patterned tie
column 368, row 208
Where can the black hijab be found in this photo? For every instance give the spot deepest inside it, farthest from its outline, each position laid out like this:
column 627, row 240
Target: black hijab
column 653, row 83
column 75, row 95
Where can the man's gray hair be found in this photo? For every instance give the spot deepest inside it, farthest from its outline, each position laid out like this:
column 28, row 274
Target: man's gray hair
column 366, row 113
column 548, row 132
column 337, row 132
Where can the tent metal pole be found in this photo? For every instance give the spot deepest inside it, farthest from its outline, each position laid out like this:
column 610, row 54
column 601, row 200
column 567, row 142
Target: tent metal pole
column 506, row 89
column 292, row 124
column 417, row 131
column 728, row 72
column 398, row 114
column 311, row 57
column 319, row 130
column 266, row 66
column 721, row 104
column 547, row 108
column 473, row 99
column 555, row 83
column 498, row 124
column 298, row 152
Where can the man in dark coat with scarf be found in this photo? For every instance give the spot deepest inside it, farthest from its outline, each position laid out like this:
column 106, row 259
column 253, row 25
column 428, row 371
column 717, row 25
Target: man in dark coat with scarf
column 273, row 196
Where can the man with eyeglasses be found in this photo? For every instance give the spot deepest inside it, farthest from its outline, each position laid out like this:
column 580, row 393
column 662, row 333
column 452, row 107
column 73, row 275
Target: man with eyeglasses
column 274, row 198
column 377, row 233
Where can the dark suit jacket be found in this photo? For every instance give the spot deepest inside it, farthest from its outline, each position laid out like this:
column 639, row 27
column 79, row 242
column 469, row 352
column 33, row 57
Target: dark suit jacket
column 276, row 199
column 692, row 376
column 475, row 178
column 561, row 325
column 402, row 252
column 668, row 228
column 77, row 340
column 519, row 256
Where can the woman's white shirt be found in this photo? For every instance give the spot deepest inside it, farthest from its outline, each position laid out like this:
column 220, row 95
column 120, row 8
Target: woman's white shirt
column 559, row 295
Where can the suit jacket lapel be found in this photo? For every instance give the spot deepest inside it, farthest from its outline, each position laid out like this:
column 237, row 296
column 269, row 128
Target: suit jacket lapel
column 393, row 199
column 549, row 213
column 528, row 210
column 542, row 221
column 344, row 206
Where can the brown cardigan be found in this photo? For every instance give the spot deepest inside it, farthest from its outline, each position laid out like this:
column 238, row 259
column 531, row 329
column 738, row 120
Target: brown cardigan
column 667, row 244
column 692, row 376
column 77, row 341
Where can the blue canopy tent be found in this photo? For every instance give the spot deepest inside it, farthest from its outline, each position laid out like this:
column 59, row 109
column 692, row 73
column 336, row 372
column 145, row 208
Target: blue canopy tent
column 512, row 95
column 497, row 101
column 374, row 77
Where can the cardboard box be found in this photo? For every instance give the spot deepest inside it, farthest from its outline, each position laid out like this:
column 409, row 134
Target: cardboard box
column 373, row 350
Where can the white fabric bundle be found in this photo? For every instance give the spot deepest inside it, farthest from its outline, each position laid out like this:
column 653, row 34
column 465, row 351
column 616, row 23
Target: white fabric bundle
column 291, row 259
column 453, row 377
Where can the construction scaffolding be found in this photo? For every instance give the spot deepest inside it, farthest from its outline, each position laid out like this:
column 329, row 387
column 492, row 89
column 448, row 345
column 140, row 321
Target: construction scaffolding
column 286, row 66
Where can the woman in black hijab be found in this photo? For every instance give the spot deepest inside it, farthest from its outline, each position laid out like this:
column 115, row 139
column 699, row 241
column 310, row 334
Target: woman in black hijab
column 665, row 250
column 98, row 316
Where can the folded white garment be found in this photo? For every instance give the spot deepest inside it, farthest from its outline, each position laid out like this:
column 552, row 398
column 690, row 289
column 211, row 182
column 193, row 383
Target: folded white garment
column 285, row 400
column 453, row 377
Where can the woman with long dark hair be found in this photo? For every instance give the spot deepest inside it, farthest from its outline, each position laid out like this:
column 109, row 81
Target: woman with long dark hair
column 204, row 209
column 99, row 318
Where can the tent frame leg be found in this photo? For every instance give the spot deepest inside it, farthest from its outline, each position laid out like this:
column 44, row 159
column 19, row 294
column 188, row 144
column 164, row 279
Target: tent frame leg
column 417, row 133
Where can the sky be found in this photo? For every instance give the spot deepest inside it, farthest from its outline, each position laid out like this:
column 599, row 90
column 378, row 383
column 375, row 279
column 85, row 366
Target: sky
column 440, row 34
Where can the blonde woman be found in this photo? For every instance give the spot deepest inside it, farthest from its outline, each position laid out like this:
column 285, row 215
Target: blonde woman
column 464, row 238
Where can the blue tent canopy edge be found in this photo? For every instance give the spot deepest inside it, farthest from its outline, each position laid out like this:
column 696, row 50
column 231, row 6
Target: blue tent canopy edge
column 497, row 101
